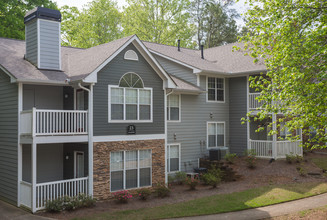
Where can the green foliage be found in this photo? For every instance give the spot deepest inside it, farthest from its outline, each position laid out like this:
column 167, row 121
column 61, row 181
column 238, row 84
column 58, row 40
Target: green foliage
column 12, row 14
column 161, row 21
column 144, row 194
column 213, row 176
column 180, row 177
column 230, row 158
column 122, row 196
column 98, row 23
column 291, row 158
column 161, row 190
column 70, row 203
column 290, row 38
column 302, row 170
column 250, row 158
column 192, row 182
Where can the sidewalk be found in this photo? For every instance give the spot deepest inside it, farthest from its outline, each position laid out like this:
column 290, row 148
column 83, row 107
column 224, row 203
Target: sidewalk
column 10, row 212
column 269, row 211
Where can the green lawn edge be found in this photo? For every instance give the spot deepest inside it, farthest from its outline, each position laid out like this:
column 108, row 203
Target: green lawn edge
column 247, row 199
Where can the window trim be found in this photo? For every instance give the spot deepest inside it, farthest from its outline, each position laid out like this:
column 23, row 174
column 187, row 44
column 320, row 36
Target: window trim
column 124, row 170
column 215, row 101
column 216, row 147
column 179, row 106
column 179, row 157
column 124, row 104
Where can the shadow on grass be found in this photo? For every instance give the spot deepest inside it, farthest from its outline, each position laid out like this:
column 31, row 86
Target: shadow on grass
column 252, row 198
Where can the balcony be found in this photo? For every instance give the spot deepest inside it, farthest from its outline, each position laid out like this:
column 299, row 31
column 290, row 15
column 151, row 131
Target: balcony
column 38, row 122
column 254, row 104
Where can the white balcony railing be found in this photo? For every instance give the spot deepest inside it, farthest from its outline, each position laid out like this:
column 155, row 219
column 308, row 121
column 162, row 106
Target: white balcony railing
column 253, row 102
column 54, row 190
column 53, row 122
column 266, row 149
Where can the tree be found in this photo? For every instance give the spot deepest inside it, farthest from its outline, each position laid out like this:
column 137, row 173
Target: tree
column 291, row 38
column 160, row 21
column 12, row 13
column 98, row 23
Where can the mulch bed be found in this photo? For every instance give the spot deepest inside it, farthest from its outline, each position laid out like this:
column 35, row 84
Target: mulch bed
column 265, row 173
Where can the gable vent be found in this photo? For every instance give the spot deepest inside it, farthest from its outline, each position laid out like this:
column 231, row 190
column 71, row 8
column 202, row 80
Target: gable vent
column 131, row 55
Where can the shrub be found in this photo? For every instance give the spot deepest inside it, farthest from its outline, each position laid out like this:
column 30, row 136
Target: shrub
column 213, row 176
column 250, row 158
column 171, row 179
column 86, row 201
column 70, row 203
column 56, row 205
column 301, row 169
column 122, row 196
column 192, row 182
column 161, row 190
column 144, row 194
column 298, row 158
column 180, row 177
column 230, row 158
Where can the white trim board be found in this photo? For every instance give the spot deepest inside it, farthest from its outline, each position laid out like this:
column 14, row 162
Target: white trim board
column 128, row 137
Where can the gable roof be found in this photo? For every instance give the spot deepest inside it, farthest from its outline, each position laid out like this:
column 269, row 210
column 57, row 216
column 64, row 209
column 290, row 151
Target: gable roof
column 186, row 87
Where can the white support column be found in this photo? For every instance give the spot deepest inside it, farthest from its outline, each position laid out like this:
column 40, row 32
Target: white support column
column 34, row 174
column 90, row 143
column 274, row 144
column 247, row 110
column 166, row 138
column 19, row 147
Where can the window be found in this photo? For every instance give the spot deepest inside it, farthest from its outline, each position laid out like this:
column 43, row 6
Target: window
column 215, row 89
column 130, row 101
column 130, row 169
column 173, row 108
column 216, row 134
column 173, row 157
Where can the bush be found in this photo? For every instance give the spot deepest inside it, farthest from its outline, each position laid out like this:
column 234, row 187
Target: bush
column 55, row 205
column 144, row 194
column 230, row 158
column 122, row 196
column 291, row 158
column 180, row 177
column 250, row 158
column 86, row 201
column 213, row 176
column 70, row 203
column 192, row 182
column 161, row 190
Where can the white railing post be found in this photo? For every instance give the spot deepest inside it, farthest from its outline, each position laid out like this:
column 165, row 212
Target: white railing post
column 33, row 121
column 34, row 158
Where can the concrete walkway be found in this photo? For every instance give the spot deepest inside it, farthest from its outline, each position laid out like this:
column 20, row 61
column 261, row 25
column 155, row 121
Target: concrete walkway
column 269, row 211
column 10, row 212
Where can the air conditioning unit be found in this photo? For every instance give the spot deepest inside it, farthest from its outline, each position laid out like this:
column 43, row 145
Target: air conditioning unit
column 215, row 154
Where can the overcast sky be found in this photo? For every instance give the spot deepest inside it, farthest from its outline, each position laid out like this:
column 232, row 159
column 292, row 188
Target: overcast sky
column 239, row 6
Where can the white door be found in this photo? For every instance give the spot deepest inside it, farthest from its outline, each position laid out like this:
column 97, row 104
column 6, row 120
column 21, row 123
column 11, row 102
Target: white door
column 78, row 164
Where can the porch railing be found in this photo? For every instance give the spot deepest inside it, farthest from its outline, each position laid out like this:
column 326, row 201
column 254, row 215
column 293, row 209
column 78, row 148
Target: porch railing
column 54, row 122
column 266, row 149
column 253, row 102
column 54, row 190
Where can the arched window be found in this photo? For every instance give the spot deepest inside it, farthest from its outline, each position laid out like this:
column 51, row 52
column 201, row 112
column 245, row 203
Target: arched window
column 131, row 55
column 130, row 101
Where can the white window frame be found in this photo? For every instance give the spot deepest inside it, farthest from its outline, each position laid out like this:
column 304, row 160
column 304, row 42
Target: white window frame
column 216, row 147
column 124, row 104
column 168, row 157
column 207, row 96
column 138, row 170
column 179, row 106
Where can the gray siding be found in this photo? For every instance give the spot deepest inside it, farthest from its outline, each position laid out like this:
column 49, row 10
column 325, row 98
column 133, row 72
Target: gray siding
column 110, row 75
column 8, row 138
column 43, row 97
column 238, row 107
column 31, row 42
column 49, row 45
column 195, row 113
column 177, row 70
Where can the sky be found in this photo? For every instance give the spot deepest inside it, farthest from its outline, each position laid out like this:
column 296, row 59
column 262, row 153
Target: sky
column 239, row 6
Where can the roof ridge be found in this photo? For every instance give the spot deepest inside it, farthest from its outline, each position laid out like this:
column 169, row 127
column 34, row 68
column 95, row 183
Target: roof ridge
column 222, row 45
column 144, row 41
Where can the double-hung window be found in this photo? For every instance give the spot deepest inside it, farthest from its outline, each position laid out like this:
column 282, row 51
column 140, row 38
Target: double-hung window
column 173, row 107
column 216, row 89
column 173, row 157
column 130, row 169
column 130, row 101
column 216, row 134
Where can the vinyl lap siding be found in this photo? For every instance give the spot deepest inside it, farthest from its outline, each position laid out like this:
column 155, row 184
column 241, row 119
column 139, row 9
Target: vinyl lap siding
column 8, row 139
column 110, row 75
column 49, row 44
column 31, row 42
column 195, row 113
column 177, row 70
column 238, row 108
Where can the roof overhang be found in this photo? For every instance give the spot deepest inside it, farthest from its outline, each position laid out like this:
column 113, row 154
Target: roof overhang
column 13, row 79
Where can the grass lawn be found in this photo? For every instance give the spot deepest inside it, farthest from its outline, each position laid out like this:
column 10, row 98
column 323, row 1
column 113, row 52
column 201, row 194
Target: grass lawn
column 320, row 162
column 318, row 213
column 247, row 199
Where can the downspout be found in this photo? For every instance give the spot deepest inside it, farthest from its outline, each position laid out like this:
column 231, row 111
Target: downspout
column 90, row 135
column 166, row 138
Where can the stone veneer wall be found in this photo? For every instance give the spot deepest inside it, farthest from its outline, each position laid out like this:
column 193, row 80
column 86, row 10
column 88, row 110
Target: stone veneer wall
column 101, row 162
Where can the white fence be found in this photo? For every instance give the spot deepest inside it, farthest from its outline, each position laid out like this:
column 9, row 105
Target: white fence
column 54, row 190
column 266, row 149
column 253, row 102
column 54, row 122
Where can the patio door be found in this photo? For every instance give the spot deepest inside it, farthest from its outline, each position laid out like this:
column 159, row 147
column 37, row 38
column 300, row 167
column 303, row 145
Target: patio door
column 80, row 99
column 78, row 164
